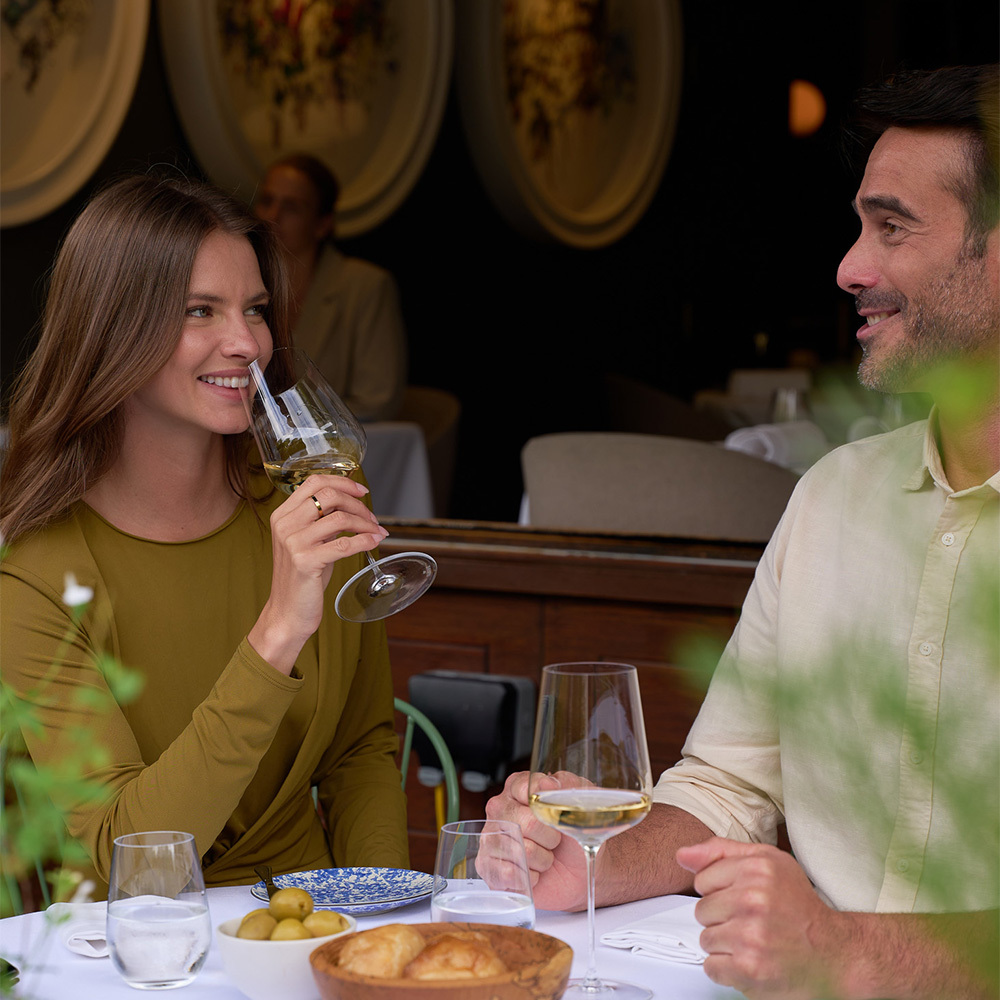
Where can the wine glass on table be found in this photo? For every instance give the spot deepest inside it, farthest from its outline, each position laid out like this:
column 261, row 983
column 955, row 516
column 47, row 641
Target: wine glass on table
column 302, row 427
column 590, row 776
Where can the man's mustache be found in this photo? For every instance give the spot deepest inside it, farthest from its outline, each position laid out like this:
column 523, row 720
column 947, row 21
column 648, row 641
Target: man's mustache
column 869, row 300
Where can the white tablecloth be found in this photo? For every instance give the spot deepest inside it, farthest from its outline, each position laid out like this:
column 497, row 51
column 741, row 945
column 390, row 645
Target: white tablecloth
column 398, row 470
column 58, row 974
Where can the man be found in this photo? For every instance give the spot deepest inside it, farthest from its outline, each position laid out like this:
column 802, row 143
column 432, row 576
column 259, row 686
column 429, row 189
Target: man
column 858, row 697
column 345, row 312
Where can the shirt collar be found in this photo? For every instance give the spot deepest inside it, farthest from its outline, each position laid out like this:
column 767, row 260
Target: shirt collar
column 931, row 469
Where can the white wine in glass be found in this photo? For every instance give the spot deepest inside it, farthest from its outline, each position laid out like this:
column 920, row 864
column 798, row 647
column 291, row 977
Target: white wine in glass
column 590, row 776
column 302, row 427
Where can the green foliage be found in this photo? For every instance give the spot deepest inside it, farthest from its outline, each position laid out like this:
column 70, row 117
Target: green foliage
column 34, row 840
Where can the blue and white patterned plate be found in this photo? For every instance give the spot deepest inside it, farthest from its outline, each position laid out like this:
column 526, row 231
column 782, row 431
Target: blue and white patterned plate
column 356, row 890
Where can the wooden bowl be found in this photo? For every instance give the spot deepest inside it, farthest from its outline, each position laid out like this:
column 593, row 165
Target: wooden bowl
column 538, row 964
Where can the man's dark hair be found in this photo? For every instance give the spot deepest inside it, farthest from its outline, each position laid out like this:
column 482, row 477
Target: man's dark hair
column 956, row 97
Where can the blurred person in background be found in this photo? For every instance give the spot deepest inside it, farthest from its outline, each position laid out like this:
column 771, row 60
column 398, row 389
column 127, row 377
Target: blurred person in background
column 345, row 312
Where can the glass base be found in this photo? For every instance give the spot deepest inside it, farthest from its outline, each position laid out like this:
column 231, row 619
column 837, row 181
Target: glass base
column 604, row 989
column 171, row 984
column 385, row 587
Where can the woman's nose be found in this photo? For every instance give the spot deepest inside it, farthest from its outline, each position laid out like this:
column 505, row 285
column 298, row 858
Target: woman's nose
column 242, row 339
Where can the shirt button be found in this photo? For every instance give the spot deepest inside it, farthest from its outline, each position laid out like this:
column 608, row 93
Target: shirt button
column 947, row 538
column 902, row 865
column 916, row 757
column 926, row 648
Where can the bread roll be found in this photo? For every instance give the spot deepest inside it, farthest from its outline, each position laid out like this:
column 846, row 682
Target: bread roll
column 382, row 952
column 461, row 955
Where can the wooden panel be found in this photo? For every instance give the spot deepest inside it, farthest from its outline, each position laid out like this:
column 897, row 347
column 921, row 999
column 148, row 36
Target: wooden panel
column 510, row 559
column 461, row 630
column 651, row 637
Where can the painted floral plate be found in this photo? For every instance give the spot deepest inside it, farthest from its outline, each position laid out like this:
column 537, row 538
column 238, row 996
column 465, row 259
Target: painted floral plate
column 356, row 890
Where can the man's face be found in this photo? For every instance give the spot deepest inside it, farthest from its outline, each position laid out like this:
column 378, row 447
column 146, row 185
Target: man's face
column 927, row 299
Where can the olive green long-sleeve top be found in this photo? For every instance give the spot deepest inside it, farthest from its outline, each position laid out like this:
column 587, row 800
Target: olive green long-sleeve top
column 219, row 743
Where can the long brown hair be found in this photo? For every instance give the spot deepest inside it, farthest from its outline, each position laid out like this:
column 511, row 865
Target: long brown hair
column 113, row 317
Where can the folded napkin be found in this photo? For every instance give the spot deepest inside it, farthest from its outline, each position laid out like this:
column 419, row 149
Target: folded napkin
column 672, row 935
column 82, row 927
column 795, row 444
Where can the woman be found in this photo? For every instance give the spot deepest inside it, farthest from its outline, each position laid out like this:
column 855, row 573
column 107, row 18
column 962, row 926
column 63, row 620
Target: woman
column 345, row 312
column 128, row 466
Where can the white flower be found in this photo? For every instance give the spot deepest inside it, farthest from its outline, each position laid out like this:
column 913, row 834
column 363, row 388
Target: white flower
column 84, row 891
column 74, row 594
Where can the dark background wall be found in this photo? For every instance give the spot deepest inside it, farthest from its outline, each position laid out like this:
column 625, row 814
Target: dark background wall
column 743, row 236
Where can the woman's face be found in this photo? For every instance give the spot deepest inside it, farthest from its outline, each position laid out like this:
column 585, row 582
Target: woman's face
column 197, row 390
column 288, row 200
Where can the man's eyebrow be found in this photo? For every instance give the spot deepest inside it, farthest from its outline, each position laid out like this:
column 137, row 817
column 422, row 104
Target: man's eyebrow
column 870, row 204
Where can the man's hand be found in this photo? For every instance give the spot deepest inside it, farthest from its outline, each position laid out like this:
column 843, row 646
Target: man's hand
column 636, row 864
column 766, row 931
column 556, row 863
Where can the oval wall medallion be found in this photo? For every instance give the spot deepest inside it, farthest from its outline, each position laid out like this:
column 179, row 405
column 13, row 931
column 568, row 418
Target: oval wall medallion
column 69, row 71
column 361, row 84
column 570, row 109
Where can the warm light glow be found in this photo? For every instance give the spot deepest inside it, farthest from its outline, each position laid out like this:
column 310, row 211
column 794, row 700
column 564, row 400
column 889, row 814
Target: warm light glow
column 806, row 107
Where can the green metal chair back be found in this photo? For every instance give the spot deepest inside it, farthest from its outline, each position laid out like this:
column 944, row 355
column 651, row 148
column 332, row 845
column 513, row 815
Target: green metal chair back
column 414, row 717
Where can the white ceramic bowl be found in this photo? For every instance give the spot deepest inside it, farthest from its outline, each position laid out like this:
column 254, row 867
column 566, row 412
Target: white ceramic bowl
column 263, row 970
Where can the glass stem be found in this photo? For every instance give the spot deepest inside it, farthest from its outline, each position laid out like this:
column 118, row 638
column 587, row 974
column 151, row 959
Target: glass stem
column 590, row 980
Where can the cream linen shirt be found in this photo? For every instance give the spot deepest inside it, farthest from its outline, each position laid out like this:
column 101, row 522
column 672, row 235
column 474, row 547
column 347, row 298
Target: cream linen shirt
column 858, row 697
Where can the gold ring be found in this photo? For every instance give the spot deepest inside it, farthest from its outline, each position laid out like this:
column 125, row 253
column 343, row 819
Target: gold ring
column 319, row 506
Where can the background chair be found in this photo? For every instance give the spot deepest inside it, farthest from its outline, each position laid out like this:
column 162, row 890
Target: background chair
column 446, row 792
column 437, row 412
column 637, row 408
column 647, row 484
column 749, row 394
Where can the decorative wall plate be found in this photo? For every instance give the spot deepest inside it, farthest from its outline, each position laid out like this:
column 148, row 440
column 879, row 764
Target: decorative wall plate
column 68, row 71
column 361, row 85
column 570, row 109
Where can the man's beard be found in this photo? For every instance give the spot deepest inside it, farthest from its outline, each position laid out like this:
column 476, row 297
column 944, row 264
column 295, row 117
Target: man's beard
column 956, row 319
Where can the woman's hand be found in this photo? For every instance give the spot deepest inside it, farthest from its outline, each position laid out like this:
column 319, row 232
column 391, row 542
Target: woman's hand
column 307, row 537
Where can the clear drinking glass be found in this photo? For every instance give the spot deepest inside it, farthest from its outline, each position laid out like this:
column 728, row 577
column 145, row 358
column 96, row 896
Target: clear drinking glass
column 159, row 929
column 790, row 404
column 590, row 776
column 303, row 427
column 481, row 874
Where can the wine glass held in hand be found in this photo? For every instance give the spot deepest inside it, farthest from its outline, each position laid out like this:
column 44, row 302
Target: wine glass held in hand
column 590, row 727
column 302, row 427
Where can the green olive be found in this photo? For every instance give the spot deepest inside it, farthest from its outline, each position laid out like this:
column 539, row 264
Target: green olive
column 289, row 929
column 290, row 902
column 323, row 922
column 257, row 926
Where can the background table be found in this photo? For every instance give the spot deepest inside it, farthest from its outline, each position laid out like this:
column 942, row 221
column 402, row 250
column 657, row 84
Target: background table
column 62, row 975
